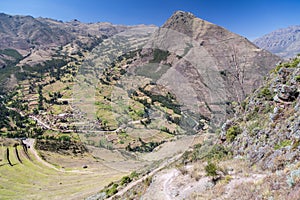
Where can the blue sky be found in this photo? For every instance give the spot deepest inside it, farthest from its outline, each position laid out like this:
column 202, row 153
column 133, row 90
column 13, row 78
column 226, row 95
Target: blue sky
column 249, row 18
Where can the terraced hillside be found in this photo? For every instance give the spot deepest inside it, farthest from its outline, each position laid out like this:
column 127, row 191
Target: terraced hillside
column 121, row 103
column 25, row 174
column 255, row 156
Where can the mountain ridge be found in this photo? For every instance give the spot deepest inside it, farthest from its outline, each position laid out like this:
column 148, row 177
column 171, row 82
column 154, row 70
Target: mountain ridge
column 284, row 42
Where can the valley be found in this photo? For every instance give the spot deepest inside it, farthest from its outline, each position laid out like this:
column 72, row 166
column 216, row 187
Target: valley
column 103, row 111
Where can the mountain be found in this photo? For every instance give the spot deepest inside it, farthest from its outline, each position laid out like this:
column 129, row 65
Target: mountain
column 256, row 155
column 107, row 100
column 31, row 41
column 37, row 39
column 283, row 42
column 220, row 66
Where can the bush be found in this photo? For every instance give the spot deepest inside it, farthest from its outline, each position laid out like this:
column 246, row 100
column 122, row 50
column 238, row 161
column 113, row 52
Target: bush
column 211, row 169
column 217, row 152
column 125, row 180
column 148, row 181
column 133, row 175
column 265, row 93
column 64, row 138
column 111, row 191
column 232, row 132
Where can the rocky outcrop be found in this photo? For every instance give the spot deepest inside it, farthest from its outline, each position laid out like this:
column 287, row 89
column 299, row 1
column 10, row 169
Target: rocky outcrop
column 269, row 120
column 283, row 42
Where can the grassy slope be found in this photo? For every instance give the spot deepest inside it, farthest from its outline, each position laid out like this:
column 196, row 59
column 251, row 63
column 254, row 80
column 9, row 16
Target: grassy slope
column 33, row 180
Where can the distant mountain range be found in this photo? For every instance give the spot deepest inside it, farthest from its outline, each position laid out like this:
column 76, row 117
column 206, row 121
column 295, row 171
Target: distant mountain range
column 282, row 42
column 37, row 39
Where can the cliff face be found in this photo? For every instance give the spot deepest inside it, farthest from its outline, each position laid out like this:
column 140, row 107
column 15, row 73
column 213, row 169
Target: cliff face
column 283, row 42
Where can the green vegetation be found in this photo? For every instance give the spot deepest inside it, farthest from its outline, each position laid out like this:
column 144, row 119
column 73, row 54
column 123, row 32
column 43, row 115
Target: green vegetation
column 32, row 178
column 165, row 129
column 152, row 71
column 253, row 127
column 125, row 180
column 148, row 181
column 133, row 175
column 4, row 112
column 253, row 114
column 144, row 147
column 283, row 144
column 232, row 132
column 205, row 152
column 167, row 101
column 211, row 169
column 12, row 53
column 265, row 93
column 113, row 189
column 159, row 55
column 217, row 152
column 292, row 64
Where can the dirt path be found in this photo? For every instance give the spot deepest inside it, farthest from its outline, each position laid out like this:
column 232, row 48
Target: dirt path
column 132, row 184
column 171, row 184
column 30, row 143
column 41, row 123
column 169, row 177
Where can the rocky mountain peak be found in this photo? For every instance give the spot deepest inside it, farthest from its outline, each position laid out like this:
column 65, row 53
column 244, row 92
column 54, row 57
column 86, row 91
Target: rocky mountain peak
column 183, row 14
column 180, row 21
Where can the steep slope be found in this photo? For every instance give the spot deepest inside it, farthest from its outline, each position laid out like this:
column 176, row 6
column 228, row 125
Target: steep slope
column 266, row 128
column 219, row 66
column 256, row 156
column 283, row 42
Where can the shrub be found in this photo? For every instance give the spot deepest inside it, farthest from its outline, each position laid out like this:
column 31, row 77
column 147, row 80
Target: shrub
column 125, row 180
column 232, row 132
column 64, row 137
column 111, row 191
column 265, row 93
column 148, row 181
column 217, row 152
column 134, row 174
column 228, row 178
column 211, row 169
column 292, row 64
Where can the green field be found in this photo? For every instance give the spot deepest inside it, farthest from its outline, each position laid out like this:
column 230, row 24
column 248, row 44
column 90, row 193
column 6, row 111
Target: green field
column 33, row 179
